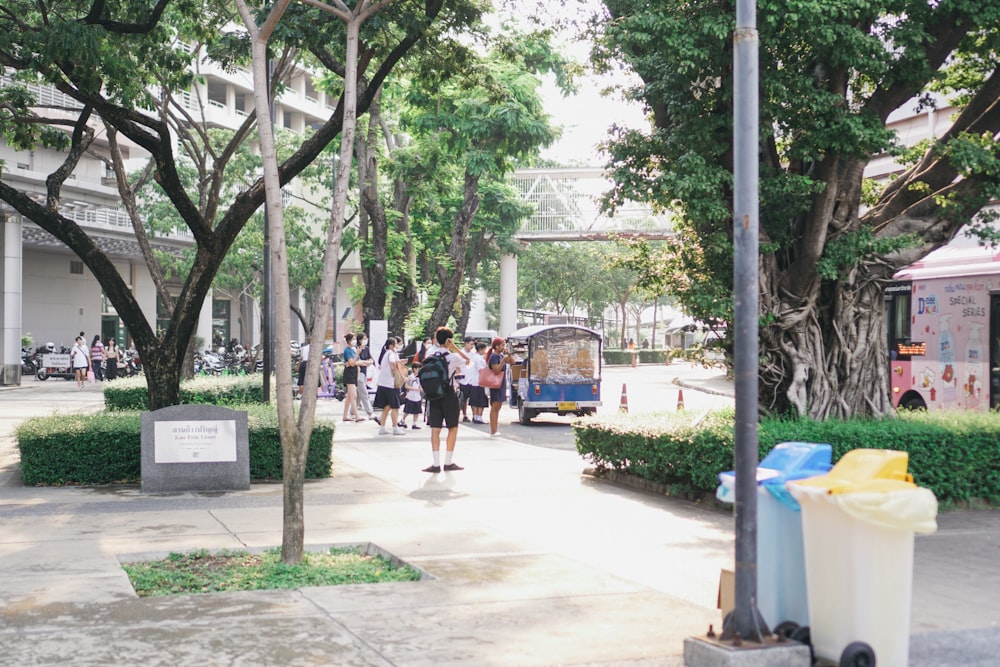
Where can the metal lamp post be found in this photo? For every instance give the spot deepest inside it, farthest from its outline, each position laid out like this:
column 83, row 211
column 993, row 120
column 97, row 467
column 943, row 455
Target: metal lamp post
column 746, row 620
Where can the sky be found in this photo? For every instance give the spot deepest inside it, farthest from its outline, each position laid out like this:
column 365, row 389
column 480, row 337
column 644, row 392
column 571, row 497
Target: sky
column 586, row 116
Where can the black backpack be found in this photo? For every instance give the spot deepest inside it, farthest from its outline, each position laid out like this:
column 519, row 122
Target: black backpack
column 434, row 378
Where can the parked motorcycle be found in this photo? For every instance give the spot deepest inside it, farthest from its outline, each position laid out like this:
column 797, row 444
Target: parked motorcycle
column 54, row 364
column 129, row 364
column 28, row 365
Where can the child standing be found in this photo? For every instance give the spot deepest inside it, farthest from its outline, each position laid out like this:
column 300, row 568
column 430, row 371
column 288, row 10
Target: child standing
column 413, row 404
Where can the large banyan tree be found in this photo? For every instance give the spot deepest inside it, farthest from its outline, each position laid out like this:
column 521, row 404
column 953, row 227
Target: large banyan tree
column 833, row 77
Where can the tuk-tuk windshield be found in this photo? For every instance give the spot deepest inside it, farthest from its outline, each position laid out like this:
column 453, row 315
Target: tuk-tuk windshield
column 564, row 356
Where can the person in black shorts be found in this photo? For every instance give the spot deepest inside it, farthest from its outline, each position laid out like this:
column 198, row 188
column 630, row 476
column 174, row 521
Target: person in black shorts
column 444, row 411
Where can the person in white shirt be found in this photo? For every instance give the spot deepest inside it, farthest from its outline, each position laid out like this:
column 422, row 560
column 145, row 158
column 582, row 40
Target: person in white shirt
column 414, row 400
column 465, row 382
column 444, row 411
column 478, row 400
column 386, row 395
column 80, row 359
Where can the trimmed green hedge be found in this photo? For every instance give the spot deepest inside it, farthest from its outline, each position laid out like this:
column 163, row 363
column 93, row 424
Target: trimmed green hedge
column 106, row 448
column 956, row 455
column 227, row 391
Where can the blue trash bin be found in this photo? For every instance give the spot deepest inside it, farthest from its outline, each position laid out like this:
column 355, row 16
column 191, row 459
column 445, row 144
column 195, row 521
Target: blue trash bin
column 781, row 573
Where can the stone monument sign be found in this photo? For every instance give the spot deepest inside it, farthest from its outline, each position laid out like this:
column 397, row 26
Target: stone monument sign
column 195, row 448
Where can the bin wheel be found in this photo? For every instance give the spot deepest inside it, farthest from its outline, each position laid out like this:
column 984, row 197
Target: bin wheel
column 857, row 654
column 785, row 629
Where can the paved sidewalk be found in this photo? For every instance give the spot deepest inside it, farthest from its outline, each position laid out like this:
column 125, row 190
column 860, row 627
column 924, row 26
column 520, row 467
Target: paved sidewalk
column 530, row 563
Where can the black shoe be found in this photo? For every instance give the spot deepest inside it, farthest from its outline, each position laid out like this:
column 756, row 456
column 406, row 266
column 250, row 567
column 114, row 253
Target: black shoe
column 453, row 466
column 465, row 418
column 433, row 469
column 376, row 420
column 414, row 427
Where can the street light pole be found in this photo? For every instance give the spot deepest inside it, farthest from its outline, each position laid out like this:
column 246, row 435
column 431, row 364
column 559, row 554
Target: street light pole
column 746, row 619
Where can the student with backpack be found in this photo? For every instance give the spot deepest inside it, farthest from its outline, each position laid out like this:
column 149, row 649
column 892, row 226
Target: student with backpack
column 440, row 364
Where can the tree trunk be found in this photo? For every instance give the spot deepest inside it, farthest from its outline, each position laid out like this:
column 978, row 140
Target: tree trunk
column 166, row 369
column 406, row 297
column 451, row 281
column 374, row 270
column 825, row 355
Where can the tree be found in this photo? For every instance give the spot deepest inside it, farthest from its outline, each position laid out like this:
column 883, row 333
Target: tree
column 408, row 226
column 115, row 61
column 487, row 118
column 831, row 75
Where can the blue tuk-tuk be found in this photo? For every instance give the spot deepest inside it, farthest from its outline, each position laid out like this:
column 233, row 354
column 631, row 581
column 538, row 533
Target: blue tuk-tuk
column 559, row 370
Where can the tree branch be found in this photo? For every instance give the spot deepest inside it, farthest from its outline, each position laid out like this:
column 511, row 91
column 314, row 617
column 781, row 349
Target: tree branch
column 83, row 136
column 94, row 18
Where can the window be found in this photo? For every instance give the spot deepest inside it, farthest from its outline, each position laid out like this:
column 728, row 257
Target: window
column 76, row 267
column 220, row 321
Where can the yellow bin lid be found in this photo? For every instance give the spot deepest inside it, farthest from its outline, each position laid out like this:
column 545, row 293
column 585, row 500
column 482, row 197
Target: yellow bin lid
column 865, row 470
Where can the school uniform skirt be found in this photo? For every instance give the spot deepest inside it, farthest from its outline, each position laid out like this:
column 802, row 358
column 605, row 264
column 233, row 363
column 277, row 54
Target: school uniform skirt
column 386, row 397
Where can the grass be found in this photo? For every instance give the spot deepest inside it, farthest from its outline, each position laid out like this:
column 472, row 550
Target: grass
column 205, row 572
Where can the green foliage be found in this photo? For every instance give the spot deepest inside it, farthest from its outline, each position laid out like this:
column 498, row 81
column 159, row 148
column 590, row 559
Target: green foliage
column 845, row 252
column 265, row 446
column 953, row 454
column 224, row 571
column 624, row 357
column 105, row 448
column 80, row 449
column 132, row 393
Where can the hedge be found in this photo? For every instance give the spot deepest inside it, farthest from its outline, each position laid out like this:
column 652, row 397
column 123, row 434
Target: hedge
column 127, row 394
column 106, row 448
column 956, row 455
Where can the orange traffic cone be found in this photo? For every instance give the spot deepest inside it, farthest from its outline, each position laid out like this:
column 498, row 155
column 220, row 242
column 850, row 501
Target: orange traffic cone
column 680, row 399
column 623, row 405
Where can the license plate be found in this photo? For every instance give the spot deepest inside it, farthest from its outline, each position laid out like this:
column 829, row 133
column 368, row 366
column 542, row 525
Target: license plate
column 567, row 405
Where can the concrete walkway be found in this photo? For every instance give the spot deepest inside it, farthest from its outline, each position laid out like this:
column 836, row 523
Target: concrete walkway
column 530, row 563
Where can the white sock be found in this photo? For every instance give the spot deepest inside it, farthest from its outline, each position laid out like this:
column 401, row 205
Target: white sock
column 437, row 458
column 447, row 457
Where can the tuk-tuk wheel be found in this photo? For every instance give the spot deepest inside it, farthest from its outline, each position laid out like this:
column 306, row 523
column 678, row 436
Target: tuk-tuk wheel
column 524, row 414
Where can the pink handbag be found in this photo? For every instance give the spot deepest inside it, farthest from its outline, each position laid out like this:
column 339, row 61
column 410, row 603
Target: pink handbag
column 489, row 379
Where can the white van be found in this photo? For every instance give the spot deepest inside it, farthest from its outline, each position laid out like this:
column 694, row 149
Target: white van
column 485, row 335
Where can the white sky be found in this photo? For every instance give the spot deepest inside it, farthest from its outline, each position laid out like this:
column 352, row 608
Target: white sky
column 586, row 116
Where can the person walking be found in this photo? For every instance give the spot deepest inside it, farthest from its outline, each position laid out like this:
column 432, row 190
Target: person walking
column 444, row 411
column 97, row 358
column 465, row 382
column 479, row 400
column 303, row 361
column 80, row 361
column 350, row 379
column 111, row 356
column 497, row 361
column 364, row 361
column 386, row 395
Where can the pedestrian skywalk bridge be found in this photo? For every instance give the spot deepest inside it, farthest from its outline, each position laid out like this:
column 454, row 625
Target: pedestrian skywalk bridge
column 567, row 208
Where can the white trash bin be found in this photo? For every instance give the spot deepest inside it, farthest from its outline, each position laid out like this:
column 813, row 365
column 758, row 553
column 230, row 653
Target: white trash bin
column 858, row 526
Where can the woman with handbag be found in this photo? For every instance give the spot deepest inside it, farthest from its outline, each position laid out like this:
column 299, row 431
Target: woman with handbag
column 497, row 363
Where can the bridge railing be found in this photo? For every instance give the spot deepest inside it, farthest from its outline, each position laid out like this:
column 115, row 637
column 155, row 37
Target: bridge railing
column 567, row 206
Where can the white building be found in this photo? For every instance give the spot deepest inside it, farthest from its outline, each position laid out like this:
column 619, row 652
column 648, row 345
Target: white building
column 47, row 291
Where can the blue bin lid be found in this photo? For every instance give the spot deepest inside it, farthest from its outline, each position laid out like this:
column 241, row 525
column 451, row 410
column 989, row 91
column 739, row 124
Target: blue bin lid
column 787, row 461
